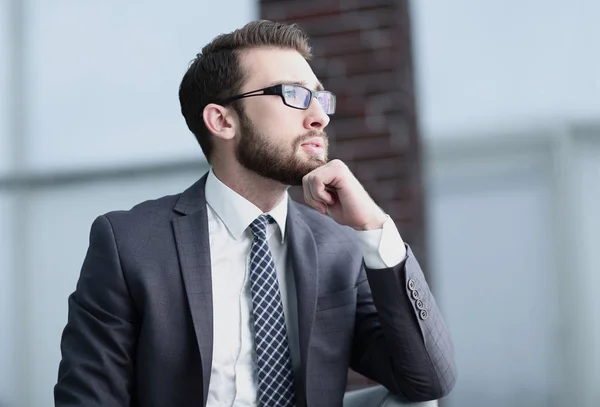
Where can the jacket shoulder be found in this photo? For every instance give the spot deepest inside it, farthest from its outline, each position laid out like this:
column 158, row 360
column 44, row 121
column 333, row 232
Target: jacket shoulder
column 144, row 214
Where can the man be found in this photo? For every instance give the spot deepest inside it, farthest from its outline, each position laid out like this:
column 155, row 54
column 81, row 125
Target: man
column 232, row 294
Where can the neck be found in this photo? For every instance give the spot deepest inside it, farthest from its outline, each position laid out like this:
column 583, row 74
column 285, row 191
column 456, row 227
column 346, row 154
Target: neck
column 262, row 192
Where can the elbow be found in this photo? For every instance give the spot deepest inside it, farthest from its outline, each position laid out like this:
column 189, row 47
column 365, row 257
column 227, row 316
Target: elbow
column 434, row 387
column 437, row 392
column 423, row 394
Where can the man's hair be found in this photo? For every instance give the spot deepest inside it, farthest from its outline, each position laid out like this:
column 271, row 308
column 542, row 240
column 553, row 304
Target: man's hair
column 216, row 74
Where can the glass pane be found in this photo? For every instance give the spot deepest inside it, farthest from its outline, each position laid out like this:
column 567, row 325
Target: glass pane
column 7, row 304
column 4, row 89
column 57, row 239
column 504, row 78
column 585, row 218
column 108, row 89
column 491, row 245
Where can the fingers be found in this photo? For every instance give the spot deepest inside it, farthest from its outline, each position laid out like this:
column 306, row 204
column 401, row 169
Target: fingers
column 319, row 185
column 315, row 194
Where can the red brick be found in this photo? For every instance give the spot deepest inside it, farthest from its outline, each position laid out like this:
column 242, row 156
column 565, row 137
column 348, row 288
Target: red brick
column 344, row 22
column 367, row 147
column 365, row 83
column 398, row 127
column 394, row 190
column 352, row 42
column 363, row 54
column 290, row 10
column 399, row 210
column 381, row 169
column 281, row 10
column 372, row 61
column 349, row 128
column 348, row 107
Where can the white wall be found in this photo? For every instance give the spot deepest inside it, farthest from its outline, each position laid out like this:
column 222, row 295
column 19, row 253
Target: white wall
column 105, row 77
column 101, row 93
column 7, row 316
column 513, row 229
column 54, row 264
column 492, row 253
column 505, row 89
column 583, row 273
column 4, row 85
column 105, row 74
column 7, row 340
column 505, row 63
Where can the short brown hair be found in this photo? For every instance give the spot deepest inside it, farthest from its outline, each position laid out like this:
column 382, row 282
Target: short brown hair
column 216, row 74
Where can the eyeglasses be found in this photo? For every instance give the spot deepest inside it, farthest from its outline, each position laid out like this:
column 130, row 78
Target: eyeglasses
column 293, row 95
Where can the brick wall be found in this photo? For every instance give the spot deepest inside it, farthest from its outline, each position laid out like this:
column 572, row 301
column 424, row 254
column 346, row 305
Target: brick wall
column 362, row 53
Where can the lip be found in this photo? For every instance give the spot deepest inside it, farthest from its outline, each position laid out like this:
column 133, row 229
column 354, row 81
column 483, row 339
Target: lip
column 313, row 150
column 316, row 141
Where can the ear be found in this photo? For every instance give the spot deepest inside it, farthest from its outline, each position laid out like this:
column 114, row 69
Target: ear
column 220, row 121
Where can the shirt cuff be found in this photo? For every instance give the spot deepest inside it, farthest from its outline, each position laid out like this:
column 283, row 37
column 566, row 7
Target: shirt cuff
column 382, row 248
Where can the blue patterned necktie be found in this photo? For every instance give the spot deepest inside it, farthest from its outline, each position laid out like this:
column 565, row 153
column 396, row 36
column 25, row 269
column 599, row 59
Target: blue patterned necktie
column 275, row 376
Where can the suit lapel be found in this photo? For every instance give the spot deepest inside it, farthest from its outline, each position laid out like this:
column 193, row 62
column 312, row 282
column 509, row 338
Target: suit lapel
column 191, row 235
column 303, row 255
column 193, row 245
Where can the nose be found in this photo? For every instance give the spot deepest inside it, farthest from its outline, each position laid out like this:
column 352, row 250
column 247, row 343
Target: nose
column 316, row 118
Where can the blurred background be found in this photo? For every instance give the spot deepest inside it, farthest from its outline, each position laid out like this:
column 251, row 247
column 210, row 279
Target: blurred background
column 475, row 124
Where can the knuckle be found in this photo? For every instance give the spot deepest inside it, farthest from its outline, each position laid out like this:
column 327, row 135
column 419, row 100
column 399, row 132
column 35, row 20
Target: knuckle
column 312, row 179
column 338, row 163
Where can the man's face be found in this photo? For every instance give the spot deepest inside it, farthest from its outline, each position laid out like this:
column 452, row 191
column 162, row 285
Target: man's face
column 275, row 140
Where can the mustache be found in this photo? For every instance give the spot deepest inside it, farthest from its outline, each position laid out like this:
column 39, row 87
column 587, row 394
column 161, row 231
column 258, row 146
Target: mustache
column 307, row 136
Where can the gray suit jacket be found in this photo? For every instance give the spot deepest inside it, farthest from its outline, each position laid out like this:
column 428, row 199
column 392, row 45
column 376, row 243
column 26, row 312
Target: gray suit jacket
column 139, row 329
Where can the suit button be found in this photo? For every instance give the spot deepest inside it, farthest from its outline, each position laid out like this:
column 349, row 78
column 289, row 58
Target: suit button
column 420, row 305
column 411, row 284
column 415, row 295
column 423, row 314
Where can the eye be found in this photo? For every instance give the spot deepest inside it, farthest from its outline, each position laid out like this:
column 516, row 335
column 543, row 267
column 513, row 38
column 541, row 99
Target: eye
column 289, row 92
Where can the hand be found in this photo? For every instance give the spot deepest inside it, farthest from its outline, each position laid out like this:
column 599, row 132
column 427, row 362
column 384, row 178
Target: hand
column 333, row 189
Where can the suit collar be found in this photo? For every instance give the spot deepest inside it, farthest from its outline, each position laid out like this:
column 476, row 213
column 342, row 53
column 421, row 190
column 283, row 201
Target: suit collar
column 192, row 199
column 236, row 212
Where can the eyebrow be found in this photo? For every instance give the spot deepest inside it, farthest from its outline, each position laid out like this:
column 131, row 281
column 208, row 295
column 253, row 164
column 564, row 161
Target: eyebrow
column 302, row 83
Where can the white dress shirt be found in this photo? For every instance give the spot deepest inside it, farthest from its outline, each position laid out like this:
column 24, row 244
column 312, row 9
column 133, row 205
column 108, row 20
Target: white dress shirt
column 233, row 380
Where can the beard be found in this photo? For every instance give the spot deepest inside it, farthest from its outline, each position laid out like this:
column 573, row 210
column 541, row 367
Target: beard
column 269, row 159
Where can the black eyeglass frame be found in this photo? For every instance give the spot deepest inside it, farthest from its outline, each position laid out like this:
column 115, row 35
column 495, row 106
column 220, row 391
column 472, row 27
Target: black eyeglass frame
column 277, row 90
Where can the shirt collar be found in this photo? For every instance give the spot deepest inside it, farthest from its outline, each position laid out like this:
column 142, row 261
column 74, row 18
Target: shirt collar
column 236, row 212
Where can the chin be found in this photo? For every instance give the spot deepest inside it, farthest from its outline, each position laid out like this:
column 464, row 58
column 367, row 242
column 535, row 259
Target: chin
column 317, row 159
column 313, row 163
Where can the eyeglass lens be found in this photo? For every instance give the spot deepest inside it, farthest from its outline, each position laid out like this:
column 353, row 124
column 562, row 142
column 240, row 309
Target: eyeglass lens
column 298, row 96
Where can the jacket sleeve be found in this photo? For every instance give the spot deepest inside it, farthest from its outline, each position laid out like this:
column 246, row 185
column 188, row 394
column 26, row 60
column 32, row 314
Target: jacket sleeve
column 401, row 340
column 98, row 341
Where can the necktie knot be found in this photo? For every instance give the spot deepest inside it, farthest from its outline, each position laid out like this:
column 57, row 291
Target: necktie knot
column 259, row 226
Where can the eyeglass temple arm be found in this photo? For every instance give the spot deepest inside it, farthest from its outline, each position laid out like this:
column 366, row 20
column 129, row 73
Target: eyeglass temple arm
column 272, row 90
